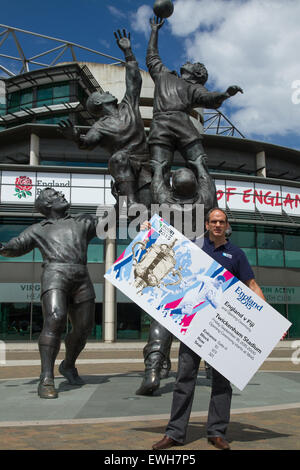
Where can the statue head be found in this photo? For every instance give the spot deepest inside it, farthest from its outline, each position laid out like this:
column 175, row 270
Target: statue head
column 196, row 72
column 49, row 199
column 97, row 101
column 184, row 182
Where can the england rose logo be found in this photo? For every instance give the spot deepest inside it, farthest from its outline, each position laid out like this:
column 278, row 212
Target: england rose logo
column 23, row 186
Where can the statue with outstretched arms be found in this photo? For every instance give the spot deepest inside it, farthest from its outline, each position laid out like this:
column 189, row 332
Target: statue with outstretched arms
column 174, row 98
column 66, row 287
column 119, row 128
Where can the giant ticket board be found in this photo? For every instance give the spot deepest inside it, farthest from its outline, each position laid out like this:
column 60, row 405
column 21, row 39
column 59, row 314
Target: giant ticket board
column 198, row 301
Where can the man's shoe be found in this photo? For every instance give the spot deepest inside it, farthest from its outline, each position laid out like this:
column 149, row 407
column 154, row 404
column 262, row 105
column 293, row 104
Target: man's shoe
column 219, row 442
column 150, row 382
column 70, row 374
column 46, row 389
column 165, row 443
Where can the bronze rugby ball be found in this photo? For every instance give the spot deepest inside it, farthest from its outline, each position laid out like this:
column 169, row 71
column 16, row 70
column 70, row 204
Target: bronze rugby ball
column 163, row 8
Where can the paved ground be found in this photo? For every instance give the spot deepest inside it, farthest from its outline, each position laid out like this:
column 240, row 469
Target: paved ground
column 105, row 414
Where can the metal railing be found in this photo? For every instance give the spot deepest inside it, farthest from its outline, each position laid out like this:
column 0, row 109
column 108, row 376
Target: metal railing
column 53, row 54
column 217, row 123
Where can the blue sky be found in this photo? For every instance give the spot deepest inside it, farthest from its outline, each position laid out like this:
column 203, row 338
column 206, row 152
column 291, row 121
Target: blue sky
column 251, row 43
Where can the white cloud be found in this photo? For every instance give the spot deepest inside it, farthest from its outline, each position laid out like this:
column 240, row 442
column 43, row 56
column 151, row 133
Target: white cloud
column 140, row 20
column 251, row 43
column 116, row 12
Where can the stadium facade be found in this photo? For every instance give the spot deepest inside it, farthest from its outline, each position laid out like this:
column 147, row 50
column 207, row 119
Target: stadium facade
column 258, row 185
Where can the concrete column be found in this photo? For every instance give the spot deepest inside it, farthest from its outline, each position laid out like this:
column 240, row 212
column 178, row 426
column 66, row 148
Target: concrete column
column 261, row 169
column 34, row 150
column 109, row 294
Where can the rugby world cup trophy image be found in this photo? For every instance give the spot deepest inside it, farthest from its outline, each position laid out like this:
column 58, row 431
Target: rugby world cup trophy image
column 163, row 8
column 155, row 265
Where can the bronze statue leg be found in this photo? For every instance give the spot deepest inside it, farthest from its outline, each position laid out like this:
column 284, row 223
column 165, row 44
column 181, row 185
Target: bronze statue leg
column 120, row 168
column 55, row 309
column 156, row 358
column 195, row 153
column 82, row 319
column 163, row 154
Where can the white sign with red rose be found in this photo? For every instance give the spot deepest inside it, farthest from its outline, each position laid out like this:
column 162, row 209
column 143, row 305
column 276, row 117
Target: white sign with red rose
column 18, row 188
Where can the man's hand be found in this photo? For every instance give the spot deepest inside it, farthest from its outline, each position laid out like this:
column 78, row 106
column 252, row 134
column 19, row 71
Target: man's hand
column 70, row 132
column 123, row 41
column 156, row 23
column 233, row 90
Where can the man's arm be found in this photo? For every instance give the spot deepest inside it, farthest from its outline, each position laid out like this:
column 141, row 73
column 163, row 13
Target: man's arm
column 18, row 246
column 213, row 100
column 133, row 75
column 252, row 284
column 88, row 141
column 153, row 59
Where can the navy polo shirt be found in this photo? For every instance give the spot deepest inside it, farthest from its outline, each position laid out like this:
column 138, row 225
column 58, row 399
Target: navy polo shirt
column 229, row 256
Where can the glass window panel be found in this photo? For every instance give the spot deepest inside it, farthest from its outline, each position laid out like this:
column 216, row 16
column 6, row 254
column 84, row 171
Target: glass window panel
column 15, row 321
column 60, row 91
column 8, row 231
column 14, row 101
column 60, row 100
column 281, row 308
column 44, row 93
column 292, row 242
column 82, row 95
column 292, row 259
column 44, row 96
column 28, row 258
column 128, row 326
column 251, row 255
column 95, row 254
column 244, row 238
column 270, row 258
column 26, row 99
column 12, row 227
column 120, row 249
column 272, row 241
column 97, row 330
column 145, row 325
column 294, row 317
column 37, row 256
column 37, row 320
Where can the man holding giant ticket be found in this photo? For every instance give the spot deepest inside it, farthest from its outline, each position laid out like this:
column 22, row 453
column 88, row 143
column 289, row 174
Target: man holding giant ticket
column 209, row 299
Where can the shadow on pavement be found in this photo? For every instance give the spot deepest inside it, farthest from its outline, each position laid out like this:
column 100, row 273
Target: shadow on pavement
column 237, row 432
